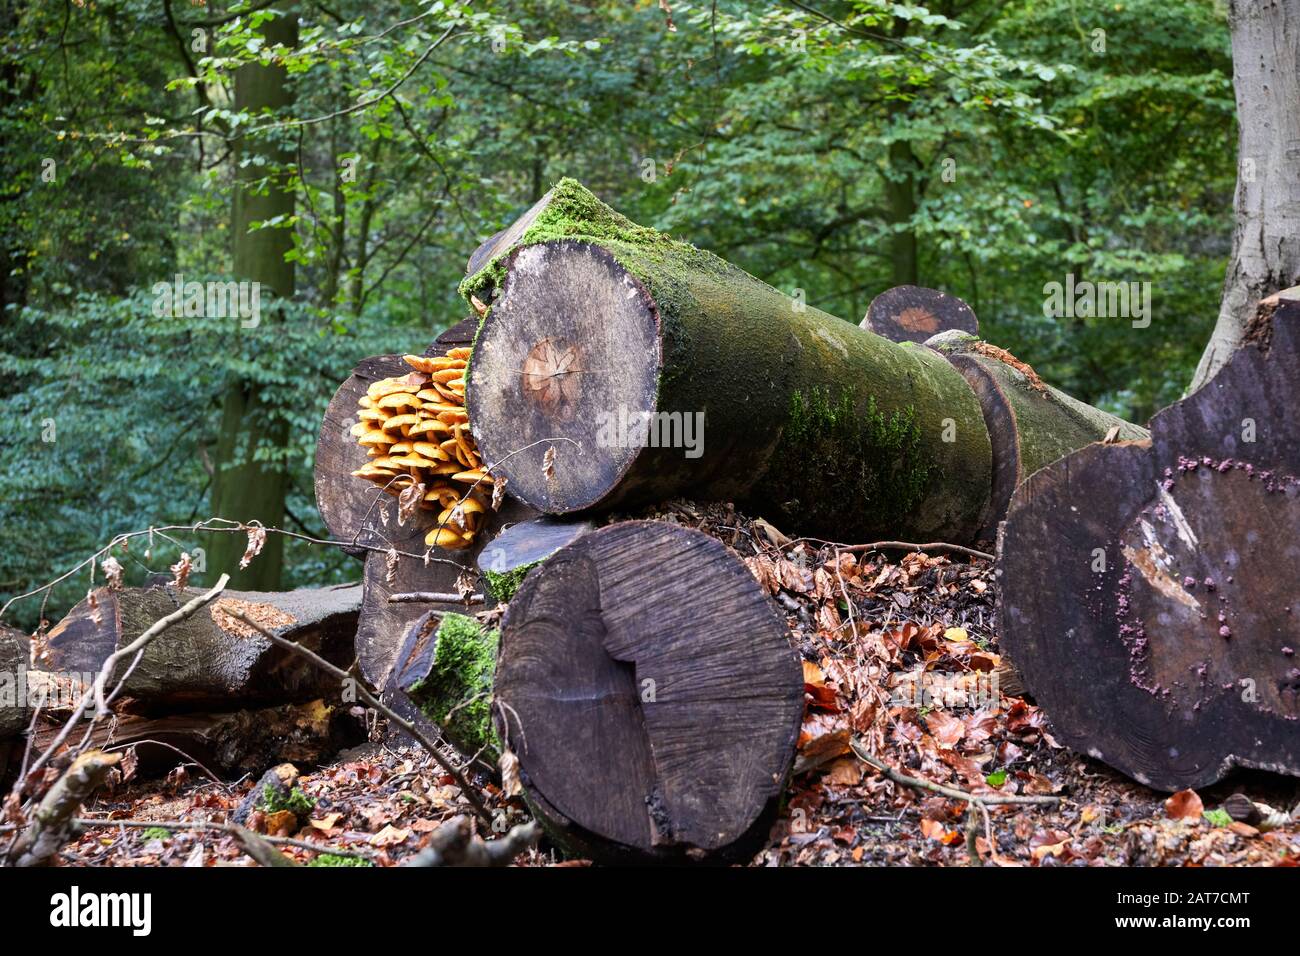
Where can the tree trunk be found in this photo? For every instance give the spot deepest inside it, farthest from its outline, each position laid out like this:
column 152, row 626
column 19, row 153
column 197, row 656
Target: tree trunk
column 244, row 489
column 1148, row 588
column 911, row 313
column 240, row 741
column 211, row 659
column 602, row 326
column 1266, row 238
column 651, row 694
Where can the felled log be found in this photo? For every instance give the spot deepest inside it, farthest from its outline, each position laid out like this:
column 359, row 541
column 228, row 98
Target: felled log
column 237, row 741
column 651, row 694
column 910, row 313
column 1030, row 423
column 210, row 659
column 617, row 366
column 1147, row 587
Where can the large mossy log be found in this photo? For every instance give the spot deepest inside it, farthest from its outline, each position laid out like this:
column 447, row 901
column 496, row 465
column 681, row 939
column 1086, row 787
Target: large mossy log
column 599, row 327
column 1148, row 588
column 211, row 659
column 1030, row 423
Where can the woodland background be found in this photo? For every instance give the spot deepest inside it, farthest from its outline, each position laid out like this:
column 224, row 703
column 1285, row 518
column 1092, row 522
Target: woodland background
column 985, row 148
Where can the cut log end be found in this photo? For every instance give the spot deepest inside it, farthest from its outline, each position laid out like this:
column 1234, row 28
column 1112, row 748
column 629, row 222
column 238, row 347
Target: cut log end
column 570, row 349
column 1167, row 642
column 909, row 313
column 649, row 724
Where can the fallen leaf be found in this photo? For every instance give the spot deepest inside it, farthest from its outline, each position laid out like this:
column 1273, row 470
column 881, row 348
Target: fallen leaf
column 1184, row 804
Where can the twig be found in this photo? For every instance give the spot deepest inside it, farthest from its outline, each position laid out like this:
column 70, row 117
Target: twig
column 96, row 691
column 53, row 824
column 433, row 597
column 953, row 792
column 453, row 844
column 373, row 702
column 933, row 546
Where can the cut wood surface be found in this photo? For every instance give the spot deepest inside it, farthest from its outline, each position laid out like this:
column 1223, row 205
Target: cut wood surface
column 603, row 329
column 208, row 659
column 505, row 560
column 910, row 313
column 1148, row 588
column 651, row 694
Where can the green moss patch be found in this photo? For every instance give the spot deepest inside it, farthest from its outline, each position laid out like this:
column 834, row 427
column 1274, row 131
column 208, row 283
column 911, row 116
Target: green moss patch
column 504, row 584
column 832, row 448
column 457, row 693
column 334, row 859
column 274, row 800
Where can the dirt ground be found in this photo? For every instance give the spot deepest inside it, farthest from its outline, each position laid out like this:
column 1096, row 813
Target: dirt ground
column 900, row 654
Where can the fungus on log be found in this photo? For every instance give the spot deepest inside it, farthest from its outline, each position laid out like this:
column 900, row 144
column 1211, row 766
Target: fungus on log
column 357, row 510
column 212, row 658
column 619, row 366
column 1030, row 423
column 912, row 313
column 1148, row 591
column 649, row 724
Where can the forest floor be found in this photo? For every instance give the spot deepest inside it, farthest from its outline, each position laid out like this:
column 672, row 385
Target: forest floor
column 900, row 655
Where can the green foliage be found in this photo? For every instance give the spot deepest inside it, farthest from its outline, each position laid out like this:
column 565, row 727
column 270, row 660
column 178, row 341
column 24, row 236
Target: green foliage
column 1007, row 144
column 1217, row 817
column 156, row 833
column 275, row 800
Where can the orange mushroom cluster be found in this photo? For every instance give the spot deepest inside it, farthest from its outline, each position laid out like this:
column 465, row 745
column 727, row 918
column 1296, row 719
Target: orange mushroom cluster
column 416, row 432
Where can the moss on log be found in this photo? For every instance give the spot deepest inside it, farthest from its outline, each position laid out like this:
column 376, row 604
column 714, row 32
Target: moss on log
column 601, row 326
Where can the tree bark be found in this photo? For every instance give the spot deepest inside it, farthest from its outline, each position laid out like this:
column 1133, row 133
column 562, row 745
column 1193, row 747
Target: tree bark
column 1147, row 588
column 15, row 654
column 239, row 741
column 1266, row 237
column 210, row 659
column 243, row 488
column 601, row 323
column 1030, row 423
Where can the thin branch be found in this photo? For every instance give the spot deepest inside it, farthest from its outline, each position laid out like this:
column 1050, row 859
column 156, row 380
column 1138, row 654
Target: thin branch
column 370, row 700
column 434, row 597
column 989, row 799
column 230, row 828
column 96, row 692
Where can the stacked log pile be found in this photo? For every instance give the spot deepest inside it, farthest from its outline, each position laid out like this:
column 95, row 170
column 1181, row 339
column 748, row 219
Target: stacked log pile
column 640, row 690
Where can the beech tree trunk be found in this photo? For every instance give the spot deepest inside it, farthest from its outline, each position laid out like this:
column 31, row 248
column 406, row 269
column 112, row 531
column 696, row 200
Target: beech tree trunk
column 1148, row 589
column 602, row 326
column 1266, row 238
column 243, row 488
